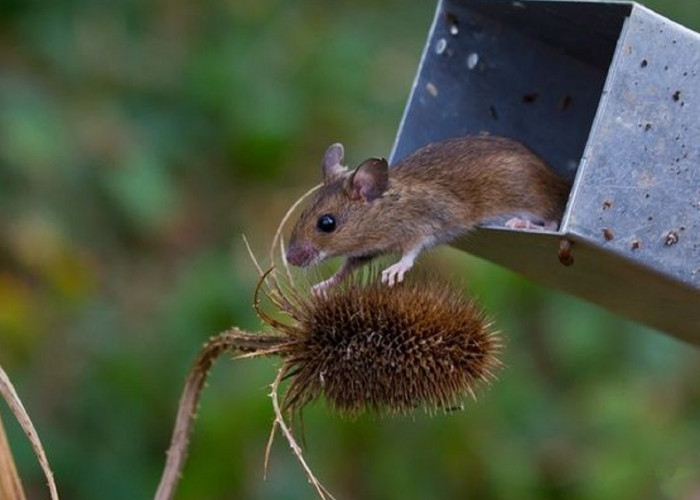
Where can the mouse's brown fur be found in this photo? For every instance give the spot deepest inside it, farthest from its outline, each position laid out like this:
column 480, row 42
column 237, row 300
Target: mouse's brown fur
column 439, row 192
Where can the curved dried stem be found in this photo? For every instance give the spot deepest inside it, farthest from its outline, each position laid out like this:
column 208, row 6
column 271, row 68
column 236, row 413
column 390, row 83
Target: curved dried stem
column 228, row 341
column 283, row 257
column 252, row 256
column 293, row 300
column 323, row 493
column 278, row 234
column 274, row 294
column 8, row 392
column 259, row 310
column 273, row 291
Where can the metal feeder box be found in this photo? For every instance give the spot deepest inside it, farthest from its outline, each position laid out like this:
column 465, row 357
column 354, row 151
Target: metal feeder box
column 609, row 94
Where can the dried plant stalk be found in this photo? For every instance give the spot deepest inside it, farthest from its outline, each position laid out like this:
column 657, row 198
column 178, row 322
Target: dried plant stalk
column 8, row 392
column 233, row 340
column 10, row 485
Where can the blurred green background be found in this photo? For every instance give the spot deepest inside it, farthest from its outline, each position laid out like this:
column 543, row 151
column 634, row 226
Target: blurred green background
column 139, row 139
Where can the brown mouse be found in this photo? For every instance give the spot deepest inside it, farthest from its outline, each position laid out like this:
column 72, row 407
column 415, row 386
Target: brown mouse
column 439, row 192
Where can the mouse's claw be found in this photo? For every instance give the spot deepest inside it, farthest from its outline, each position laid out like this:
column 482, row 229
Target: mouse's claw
column 394, row 274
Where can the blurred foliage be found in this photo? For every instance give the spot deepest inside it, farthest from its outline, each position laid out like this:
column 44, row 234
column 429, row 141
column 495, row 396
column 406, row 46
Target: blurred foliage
column 138, row 139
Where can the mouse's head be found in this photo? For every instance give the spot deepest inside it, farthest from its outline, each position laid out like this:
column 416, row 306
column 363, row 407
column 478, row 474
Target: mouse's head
column 337, row 218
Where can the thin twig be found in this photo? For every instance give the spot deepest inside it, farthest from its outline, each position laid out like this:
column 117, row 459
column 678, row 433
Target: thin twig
column 252, row 256
column 285, row 263
column 279, row 419
column 15, row 404
column 268, row 448
column 271, row 292
column 278, row 233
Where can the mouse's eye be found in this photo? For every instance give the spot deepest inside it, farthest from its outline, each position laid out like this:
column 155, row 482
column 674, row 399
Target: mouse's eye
column 326, row 223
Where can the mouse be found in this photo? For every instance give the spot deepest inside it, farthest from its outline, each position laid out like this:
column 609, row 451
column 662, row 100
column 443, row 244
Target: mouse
column 436, row 194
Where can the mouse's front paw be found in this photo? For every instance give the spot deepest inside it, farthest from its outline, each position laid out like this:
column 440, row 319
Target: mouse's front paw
column 395, row 273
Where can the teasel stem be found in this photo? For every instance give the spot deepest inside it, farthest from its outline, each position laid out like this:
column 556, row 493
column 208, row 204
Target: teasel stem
column 232, row 340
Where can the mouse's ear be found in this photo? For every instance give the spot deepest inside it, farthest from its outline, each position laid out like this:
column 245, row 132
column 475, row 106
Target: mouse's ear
column 332, row 167
column 369, row 180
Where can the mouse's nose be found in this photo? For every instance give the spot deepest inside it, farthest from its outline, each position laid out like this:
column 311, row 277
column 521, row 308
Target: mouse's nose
column 301, row 254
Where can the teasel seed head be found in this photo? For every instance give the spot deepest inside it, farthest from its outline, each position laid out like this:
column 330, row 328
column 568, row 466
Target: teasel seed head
column 368, row 347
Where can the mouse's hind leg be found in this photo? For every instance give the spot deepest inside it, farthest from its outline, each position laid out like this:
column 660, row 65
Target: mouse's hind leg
column 533, row 224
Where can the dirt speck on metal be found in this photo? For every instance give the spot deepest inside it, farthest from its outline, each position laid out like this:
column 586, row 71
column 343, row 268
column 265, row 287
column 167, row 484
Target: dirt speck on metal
column 671, row 238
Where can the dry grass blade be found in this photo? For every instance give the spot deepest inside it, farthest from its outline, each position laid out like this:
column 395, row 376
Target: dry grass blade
column 10, row 485
column 232, row 340
column 8, row 392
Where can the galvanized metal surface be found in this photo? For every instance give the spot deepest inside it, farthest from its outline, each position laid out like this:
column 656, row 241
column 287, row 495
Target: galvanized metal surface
column 609, row 94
